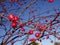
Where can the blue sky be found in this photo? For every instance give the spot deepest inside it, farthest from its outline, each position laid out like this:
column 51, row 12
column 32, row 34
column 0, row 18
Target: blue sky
column 41, row 9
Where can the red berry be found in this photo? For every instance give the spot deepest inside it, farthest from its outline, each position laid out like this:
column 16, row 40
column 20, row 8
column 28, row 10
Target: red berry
column 31, row 11
column 11, row 17
column 21, row 24
column 40, row 30
column 50, row 1
column 51, row 21
column 30, row 31
column 22, row 29
column 32, row 39
column 43, row 27
column 37, row 34
column 16, row 18
column 13, row 24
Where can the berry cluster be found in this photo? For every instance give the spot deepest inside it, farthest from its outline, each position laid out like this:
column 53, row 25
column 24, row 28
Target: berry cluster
column 14, row 20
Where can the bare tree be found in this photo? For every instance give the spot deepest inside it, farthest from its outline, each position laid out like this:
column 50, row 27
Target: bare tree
column 16, row 28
